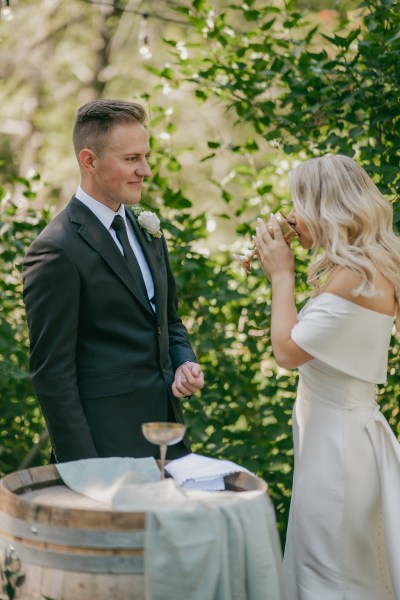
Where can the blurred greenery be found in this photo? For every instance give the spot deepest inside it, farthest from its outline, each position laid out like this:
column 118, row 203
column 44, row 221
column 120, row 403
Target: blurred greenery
column 237, row 93
column 21, row 422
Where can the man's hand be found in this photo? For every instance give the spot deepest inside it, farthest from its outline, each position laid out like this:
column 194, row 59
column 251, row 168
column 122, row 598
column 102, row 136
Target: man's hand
column 188, row 380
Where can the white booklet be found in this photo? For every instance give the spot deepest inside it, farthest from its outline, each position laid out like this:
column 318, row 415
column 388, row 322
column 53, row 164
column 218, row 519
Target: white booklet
column 197, row 472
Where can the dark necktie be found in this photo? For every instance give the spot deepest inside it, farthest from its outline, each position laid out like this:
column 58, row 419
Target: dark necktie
column 119, row 226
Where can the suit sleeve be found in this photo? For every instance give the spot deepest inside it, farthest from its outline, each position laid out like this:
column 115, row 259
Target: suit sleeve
column 51, row 296
column 180, row 348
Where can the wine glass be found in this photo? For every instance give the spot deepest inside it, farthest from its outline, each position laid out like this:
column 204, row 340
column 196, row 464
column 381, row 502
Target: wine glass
column 163, row 434
column 289, row 233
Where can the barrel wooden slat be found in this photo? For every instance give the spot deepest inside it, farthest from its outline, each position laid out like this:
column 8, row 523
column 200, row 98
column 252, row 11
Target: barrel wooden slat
column 63, row 584
column 25, row 477
column 70, row 552
column 22, row 506
column 239, row 482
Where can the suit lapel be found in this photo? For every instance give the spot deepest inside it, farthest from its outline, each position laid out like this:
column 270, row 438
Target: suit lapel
column 96, row 235
column 153, row 253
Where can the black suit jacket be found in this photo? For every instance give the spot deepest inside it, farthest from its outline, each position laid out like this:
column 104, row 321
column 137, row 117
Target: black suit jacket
column 102, row 362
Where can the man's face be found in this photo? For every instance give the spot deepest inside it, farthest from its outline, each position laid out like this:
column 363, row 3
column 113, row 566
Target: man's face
column 120, row 170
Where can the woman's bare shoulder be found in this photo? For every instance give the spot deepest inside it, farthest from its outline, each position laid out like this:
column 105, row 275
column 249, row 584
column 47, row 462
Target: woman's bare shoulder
column 343, row 281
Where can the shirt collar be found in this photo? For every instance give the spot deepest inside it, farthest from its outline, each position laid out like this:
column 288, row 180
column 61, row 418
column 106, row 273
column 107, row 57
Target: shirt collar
column 102, row 212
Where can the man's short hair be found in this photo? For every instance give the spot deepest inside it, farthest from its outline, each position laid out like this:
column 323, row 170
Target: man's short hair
column 95, row 120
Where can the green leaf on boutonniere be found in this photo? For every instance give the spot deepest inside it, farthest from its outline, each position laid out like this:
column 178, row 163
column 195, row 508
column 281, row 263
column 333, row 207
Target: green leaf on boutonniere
column 148, row 221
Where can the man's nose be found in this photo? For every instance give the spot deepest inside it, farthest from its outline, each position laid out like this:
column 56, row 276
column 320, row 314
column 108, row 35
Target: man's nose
column 143, row 170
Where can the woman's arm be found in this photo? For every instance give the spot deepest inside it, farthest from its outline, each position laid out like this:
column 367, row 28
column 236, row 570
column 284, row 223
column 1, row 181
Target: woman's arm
column 277, row 263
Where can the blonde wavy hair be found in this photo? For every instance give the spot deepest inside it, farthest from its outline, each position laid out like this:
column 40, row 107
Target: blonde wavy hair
column 349, row 219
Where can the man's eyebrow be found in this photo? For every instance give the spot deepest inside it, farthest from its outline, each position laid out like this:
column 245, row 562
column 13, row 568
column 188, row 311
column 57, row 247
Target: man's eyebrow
column 137, row 153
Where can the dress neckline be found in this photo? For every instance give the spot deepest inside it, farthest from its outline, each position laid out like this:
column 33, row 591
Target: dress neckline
column 375, row 312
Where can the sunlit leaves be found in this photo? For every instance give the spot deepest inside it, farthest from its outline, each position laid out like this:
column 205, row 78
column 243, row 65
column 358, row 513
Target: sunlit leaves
column 306, row 93
column 20, row 418
column 308, row 90
column 288, row 89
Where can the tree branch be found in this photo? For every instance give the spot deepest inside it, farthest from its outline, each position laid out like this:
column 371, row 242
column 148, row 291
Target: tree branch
column 144, row 14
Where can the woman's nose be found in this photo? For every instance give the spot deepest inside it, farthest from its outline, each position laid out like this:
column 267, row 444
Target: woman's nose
column 291, row 218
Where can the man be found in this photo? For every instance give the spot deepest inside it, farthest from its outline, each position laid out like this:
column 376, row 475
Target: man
column 108, row 351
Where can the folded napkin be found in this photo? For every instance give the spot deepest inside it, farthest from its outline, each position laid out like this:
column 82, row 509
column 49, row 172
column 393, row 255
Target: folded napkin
column 197, row 472
column 131, row 484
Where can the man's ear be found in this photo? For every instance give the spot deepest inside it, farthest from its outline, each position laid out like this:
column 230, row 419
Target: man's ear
column 87, row 158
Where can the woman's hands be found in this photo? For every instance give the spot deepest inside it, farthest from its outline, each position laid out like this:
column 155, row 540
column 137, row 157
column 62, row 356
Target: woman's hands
column 275, row 256
column 277, row 263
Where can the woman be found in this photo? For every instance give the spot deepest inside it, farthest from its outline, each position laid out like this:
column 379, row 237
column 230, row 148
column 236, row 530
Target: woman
column 343, row 540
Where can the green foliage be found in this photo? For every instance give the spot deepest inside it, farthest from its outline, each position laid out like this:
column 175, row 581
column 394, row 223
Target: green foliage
column 243, row 414
column 305, row 91
column 20, row 418
column 11, row 576
column 292, row 90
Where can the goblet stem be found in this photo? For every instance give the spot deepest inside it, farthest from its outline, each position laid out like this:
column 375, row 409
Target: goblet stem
column 163, row 454
column 288, row 234
column 245, row 260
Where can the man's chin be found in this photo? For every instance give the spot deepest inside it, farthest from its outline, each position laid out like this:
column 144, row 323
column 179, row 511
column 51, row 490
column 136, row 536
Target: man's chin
column 132, row 201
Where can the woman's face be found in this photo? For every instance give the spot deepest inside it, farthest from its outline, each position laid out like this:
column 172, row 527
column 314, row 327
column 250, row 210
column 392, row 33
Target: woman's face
column 301, row 229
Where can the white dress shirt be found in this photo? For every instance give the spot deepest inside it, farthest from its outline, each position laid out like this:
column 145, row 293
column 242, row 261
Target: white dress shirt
column 106, row 217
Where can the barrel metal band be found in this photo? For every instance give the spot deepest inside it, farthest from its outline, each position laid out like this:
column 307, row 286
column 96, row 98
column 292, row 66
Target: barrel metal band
column 82, row 563
column 83, row 538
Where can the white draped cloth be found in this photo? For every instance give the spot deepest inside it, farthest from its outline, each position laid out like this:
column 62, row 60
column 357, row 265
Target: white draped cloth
column 343, row 539
column 198, row 545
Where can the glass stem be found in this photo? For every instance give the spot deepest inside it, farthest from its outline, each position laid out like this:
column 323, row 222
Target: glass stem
column 163, row 453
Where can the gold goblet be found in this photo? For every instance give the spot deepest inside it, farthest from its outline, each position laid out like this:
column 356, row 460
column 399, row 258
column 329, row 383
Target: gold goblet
column 288, row 232
column 163, row 434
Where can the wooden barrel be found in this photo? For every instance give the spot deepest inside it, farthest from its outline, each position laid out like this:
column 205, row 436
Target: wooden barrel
column 71, row 547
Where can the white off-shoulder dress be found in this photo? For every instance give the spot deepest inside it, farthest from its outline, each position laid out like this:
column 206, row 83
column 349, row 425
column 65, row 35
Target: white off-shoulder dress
column 343, row 539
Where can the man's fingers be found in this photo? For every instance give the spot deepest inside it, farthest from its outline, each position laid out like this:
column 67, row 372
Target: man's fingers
column 188, row 380
column 196, row 370
column 182, row 387
column 192, row 375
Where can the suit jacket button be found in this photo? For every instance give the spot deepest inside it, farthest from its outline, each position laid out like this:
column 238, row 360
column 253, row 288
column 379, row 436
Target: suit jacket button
column 159, row 330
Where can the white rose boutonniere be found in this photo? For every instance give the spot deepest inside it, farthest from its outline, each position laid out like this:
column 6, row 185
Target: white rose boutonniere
column 148, row 221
